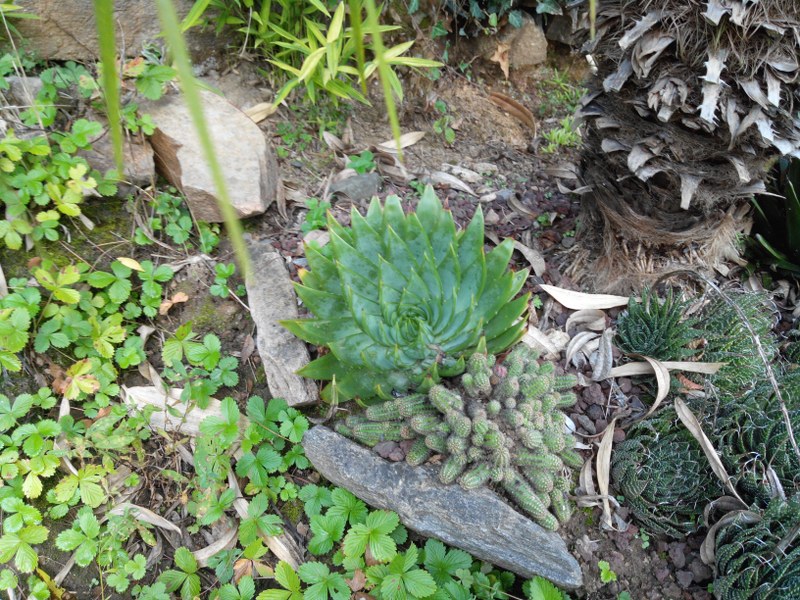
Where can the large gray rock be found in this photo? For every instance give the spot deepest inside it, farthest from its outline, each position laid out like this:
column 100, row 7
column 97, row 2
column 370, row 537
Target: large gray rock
column 246, row 157
column 477, row 521
column 272, row 298
column 66, row 30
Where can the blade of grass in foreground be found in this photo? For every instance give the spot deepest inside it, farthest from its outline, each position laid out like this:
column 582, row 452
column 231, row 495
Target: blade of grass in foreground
column 104, row 15
column 172, row 33
column 384, row 71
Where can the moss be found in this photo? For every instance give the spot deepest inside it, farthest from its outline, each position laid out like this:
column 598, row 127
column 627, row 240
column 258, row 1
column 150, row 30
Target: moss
column 293, row 510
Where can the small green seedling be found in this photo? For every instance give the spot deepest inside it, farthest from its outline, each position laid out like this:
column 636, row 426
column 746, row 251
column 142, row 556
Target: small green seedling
column 362, row 163
column 607, row 575
column 315, row 217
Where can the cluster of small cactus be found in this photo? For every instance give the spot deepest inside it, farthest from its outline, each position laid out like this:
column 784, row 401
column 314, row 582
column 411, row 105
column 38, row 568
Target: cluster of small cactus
column 503, row 425
column 758, row 556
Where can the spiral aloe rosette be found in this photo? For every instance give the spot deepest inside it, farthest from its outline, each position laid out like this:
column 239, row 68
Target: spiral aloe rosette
column 401, row 300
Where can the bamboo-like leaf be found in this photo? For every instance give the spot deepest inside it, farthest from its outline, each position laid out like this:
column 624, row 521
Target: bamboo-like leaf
column 171, row 28
column 356, row 24
column 104, row 15
column 193, row 16
column 373, row 29
column 662, row 379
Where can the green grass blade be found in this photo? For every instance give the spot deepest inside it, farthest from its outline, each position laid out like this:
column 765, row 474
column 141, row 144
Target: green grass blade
column 172, row 33
column 356, row 24
column 104, row 15
column 193, row 16
column 373, row 28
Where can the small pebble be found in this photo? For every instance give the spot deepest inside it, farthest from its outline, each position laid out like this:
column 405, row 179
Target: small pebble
column 625, row 384
column 677, row 553
column 593, row 394
column 685, row 578
column 701, row 571
column 586, row 423
column 384, row 449
column 619, row 435
column 595, row 412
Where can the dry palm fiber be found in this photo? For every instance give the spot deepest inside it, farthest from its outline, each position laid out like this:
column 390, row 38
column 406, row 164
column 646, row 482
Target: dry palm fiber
column 692, row 102
column 727, row 67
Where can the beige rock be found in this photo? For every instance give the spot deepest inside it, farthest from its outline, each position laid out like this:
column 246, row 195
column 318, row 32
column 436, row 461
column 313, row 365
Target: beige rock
column 526, row 46
column 66, row 30
column 139, row 167
column 246, row 157
column 272, row 298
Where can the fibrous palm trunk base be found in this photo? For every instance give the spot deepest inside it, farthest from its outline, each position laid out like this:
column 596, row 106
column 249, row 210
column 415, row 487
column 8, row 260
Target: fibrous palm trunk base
column 658, row 197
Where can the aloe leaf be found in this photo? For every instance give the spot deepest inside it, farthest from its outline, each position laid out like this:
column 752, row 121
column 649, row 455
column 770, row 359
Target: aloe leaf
column 366, row 240
column 323, row 368
column 393, row 216
column 322, row 304
column 349, row 258
column 508, row 338
column 375, row 214
column 506, row 317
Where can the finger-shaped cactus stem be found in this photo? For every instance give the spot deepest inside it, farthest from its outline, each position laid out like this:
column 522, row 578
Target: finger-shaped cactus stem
column 528, row 500
column 475, row 477
column 560, row 506
column 452, row 468
column 418, row 453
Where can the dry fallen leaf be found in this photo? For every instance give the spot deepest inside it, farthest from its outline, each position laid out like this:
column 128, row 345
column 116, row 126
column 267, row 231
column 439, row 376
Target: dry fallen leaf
column 145, row 515
column 260, row 111
column 604, row 471
column 130, row 263
column 693, row 425
column 405, row 140
column 662, row 379
column 644, row 368
column 590, row 318
column 550, row 344
column 500, row 56
column 225, row 541
column 579, row 300
column 166, row 304
column 514, row 108
column 358, row 581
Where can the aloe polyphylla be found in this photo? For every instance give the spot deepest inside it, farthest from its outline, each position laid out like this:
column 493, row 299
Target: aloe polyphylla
column 400, row 300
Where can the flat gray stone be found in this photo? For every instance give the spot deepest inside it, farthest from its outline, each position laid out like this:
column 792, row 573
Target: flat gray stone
column 245, row 155
column 476, row 521
column 272, row 299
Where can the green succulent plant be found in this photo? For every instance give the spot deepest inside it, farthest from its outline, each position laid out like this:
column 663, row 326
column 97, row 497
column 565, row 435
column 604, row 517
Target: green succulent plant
column 753, row 440
column 760, row 560
column 728, row 340
column 400, row 300
column 657, row 328
column 503, row 425
column 665, row 477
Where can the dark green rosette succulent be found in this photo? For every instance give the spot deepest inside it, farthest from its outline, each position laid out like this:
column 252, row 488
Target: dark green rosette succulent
column 400, row 300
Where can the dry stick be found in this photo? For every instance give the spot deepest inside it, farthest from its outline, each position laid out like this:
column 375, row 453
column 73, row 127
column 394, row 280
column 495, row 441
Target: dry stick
column 770, row 373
